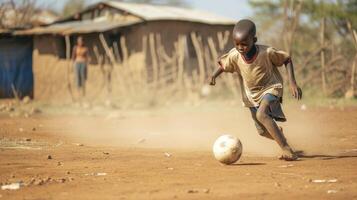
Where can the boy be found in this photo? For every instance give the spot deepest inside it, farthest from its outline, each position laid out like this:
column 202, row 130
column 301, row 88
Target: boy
column 80, row 58
column 261, row 82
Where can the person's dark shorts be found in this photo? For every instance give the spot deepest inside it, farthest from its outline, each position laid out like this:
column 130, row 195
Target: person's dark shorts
column 275, row 112
column 80, row 73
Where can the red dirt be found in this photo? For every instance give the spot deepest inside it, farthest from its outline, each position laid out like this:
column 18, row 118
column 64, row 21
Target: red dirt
column 130, row 148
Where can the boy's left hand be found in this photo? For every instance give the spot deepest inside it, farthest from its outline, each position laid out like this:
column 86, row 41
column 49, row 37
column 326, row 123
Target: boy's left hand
column 296, row 91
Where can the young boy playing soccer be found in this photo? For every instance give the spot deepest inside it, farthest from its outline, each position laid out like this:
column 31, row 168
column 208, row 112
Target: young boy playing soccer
column 261, row 82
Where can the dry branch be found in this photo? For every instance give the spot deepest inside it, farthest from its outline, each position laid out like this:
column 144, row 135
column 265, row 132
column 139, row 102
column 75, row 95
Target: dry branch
column 69, row 66
column 322, row 55
column 198, row 48
column 108, row 51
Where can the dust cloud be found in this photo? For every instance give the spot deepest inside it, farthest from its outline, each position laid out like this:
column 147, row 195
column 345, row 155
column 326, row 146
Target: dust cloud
column 192, row 128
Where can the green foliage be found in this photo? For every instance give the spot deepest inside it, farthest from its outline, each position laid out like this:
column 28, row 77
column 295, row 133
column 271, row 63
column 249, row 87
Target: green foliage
column 339, row 48
column 337, row 11
column 73, row 6
column 266, row 7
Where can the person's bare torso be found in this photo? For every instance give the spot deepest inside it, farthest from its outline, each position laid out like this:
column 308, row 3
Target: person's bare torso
column 81, row 54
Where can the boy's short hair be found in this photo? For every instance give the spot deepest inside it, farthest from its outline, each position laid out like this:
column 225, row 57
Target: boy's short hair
column 245, row 25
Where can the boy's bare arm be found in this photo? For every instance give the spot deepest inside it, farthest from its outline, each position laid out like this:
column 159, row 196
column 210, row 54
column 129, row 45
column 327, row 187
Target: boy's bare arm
column 88, row 58
column 295, row 89
column 218, row 72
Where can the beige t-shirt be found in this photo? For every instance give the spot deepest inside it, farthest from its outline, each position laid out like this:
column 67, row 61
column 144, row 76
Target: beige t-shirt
column 259, row 77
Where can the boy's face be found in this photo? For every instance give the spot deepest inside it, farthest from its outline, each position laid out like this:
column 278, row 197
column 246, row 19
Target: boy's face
column 80, row 41
column 243, row 42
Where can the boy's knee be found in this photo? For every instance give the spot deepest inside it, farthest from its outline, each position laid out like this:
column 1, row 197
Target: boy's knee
column 262, row 116
column 263, row 133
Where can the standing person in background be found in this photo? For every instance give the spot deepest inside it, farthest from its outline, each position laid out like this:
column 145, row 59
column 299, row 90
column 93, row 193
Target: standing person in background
column 80, row 58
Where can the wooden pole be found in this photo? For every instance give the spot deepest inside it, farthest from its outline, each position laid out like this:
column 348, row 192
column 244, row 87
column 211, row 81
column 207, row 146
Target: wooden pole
column 351, row 92
column 180, row 49
column 108, row 50
column 322, row 56
column 284, row 34
column 223, row 39
column 68, row 57
column 353, row 76
column 154, row 60
column 116, row 51
column 295, row 24
column 199, row 53
column 126, row 68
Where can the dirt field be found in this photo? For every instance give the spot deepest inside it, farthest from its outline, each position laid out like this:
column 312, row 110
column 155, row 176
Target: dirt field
column 166, row 154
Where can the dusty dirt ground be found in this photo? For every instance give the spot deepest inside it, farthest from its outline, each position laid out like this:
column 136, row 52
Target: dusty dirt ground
column 166, row 154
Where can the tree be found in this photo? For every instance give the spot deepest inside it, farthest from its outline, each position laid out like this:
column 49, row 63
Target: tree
column 73, row 6
column 298, row 25
column 337, row 12
column 17, row 14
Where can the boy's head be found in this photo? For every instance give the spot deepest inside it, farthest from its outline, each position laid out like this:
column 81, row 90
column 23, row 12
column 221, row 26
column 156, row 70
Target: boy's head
column 80, row 41
column 244, row 35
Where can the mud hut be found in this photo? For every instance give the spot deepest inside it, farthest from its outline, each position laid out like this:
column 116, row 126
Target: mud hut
column 16, row 76
column 118, row 33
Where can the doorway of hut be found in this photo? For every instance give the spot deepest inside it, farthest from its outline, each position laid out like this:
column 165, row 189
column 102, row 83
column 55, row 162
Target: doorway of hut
column 16, row 75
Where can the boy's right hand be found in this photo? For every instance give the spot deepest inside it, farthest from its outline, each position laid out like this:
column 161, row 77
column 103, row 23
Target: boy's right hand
column 213, row 81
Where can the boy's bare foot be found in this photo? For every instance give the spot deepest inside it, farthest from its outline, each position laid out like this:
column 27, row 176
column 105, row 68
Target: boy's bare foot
column 288, row 155
column 300, row 153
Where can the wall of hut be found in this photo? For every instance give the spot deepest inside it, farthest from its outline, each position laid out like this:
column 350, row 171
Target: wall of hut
column 138, row 46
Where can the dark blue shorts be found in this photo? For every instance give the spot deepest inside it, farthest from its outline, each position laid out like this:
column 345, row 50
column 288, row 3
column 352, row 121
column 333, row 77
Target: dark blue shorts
column 275, row 111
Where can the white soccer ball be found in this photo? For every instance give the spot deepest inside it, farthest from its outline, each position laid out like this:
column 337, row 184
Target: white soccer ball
column 227, row 149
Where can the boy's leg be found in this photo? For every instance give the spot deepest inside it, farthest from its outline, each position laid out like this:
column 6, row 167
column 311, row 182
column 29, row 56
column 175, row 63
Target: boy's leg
column 83, row 78
column 260, row 128
column 85, row 75
column 263, row 116
column 78, row 75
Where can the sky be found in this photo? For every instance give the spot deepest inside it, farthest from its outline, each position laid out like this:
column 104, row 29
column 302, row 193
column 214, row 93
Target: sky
column 235, row 9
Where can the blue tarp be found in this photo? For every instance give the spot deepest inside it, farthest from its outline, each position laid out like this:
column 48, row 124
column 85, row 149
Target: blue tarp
column 16, row 67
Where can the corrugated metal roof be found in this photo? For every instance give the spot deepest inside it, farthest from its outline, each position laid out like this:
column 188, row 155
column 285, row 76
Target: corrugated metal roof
column 160, row 12
column 86, row 26
column 93, row 26
column 145, row 12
